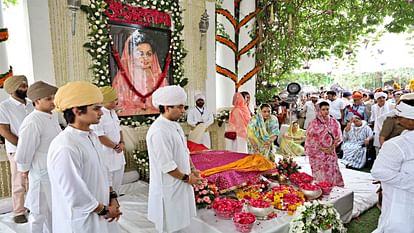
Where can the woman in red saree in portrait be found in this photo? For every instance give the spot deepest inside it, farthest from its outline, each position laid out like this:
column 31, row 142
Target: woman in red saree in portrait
column 322, row 136
column 143, row 71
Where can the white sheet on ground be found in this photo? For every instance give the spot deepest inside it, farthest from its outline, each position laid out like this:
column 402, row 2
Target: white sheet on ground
column 134, row 208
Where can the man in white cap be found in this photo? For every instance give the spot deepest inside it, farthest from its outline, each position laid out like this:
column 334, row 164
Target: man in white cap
column 36, row 133
column 394, row 167
column 81, row 197
column 171, row 203
column 378, row 115
column 12, row 113
column 310, row 109
column 199, row 117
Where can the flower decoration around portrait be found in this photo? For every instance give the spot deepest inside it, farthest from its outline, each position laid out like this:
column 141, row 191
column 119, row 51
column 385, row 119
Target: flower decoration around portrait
column 155, row 14
column 222, row 116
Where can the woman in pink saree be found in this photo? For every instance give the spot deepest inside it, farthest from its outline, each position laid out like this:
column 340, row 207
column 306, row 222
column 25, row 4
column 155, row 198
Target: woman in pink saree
column 322, row 137
column 238, row 120
column 142, row 73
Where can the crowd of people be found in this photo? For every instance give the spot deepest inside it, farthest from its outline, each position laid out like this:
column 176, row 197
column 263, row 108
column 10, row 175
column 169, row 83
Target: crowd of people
column 72, row 175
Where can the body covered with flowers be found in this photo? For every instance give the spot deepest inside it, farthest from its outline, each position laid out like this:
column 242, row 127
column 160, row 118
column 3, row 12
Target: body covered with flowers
column 316, row 217
column 322, row 137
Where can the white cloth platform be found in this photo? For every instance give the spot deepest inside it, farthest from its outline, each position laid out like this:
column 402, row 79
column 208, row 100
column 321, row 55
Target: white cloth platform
column 134, row 208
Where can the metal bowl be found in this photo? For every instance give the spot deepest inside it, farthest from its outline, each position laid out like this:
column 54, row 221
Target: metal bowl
column 311, row 194
column 260, row 212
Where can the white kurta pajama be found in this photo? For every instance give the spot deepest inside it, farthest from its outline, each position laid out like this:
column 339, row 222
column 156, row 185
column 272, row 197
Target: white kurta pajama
column 195, row 115
column 378, row 116
column 35, row 135
column 394, row 167
column 79, row 181
column 109, row 126
column 171, row 203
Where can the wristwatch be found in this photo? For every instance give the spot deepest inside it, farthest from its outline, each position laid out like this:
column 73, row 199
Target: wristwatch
column 185, row 178
column 104, row 211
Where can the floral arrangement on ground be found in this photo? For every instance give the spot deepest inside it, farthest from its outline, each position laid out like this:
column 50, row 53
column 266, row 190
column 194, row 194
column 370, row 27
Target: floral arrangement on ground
column 316, row 216
column 205, row 194
column 99, row 39
column 286, row 167
column 142, row 160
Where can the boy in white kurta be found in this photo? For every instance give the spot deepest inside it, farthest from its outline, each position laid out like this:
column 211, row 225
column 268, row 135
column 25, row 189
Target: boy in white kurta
column 394, row 167
column 36, row 133
column 12, row 113
column 81, row 201
column 199, row 114
column 171, row 203
column 109, row 133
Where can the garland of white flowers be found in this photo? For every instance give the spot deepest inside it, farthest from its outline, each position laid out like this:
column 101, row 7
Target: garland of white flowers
column 316, row 216
column 142, row 160
column 99, row 37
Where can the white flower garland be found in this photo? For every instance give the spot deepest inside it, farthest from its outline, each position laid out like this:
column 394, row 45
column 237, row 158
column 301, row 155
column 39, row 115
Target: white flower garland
column 316, row 216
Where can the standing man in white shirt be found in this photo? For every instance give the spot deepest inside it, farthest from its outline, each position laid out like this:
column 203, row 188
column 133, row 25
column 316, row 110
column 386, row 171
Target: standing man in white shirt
column 394, row 167
column 199, row 116
column 81, row 198
column 310, row 109
column 378, row 116
column 36, row 133
column 336, row 106
column 171, row 203
column 110, row 135
column 12, row 113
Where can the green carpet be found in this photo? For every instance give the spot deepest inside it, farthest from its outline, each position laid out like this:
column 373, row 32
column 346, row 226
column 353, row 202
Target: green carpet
column 365, row 223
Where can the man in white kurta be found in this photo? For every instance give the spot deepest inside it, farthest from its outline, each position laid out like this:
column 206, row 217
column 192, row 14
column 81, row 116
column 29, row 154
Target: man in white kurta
column 79, row 180
column 12, row 113
column 36, row 133
column 378, row 116
column 109, row 133
column 394, row 167
column 200, row 115
column 171, row 203
column 309, row 109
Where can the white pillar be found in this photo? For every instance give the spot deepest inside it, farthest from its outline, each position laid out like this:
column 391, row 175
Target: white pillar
column 211, row 58
column 4, row 63
column 41, row 40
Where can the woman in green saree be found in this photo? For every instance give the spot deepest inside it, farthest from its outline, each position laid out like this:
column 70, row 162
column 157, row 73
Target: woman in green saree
column 292, row 140
column 262, row 131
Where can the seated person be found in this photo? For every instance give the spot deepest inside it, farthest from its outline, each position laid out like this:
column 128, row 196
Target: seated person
column 262, row 131
column 292, row 140
column 356, row 137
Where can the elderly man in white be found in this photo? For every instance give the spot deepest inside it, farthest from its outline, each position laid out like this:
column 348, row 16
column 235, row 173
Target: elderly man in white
column 394, row 167
column 199, row 118
column 171, row 203
column 378, row 115
column 36, row 133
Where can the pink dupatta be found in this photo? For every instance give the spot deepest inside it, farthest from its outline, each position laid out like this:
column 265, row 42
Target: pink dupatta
column 239, row 116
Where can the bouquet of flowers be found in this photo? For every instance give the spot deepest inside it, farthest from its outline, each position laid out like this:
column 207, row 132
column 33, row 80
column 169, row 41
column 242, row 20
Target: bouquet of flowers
column 205, row 194
column 142, row 160
column 316, row 216
column 287, row 166
column 222, row 116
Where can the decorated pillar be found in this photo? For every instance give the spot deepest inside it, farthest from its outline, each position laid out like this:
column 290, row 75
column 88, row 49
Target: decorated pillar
column 5, row 69
column 236, row 41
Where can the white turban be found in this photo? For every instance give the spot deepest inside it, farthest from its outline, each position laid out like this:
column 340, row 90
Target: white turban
column 404, row 110
column 200, row 96
column 169, row 96
column 380, row 94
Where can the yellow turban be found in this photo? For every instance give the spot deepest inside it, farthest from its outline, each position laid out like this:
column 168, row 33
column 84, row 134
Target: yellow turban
column 76, row 94
column 13, row 83
column 109, row 94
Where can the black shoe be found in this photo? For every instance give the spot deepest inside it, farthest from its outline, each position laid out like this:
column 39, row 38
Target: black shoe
column 20, row 219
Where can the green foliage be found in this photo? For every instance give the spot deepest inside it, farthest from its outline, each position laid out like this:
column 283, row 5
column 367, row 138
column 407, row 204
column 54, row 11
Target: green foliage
column 296, row 31
column 9, row 3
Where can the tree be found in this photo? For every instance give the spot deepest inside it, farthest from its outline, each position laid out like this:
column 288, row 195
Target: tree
column 8, row 3
column 292, row 32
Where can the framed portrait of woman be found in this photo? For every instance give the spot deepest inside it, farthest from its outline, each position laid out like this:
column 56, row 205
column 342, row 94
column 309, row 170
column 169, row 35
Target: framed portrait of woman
column 140, row 64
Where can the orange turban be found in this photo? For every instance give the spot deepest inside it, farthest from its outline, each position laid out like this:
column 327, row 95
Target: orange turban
column 357, row 95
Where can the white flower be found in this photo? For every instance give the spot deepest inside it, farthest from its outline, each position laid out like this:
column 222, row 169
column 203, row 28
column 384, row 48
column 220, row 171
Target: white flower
column 145, row 2
column 101, row 83
column 99, row 50
column 97, row 13
column 162, row 2
column 100, row 31
column 154, row 2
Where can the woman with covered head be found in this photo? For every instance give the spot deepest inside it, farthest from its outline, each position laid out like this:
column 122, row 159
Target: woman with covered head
column 357, row 135
column 292, row 140
column 322, row 137
column 141, row 72
column 238, row 120
column 262, row 131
